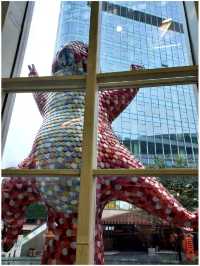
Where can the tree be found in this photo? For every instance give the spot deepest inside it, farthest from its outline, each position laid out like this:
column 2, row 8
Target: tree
column 183, row 188
column 36, row 211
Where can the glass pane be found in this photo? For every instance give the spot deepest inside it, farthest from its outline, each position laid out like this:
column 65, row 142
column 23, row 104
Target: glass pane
column 46, row 133
column 40, row 47
column 166, row 130
column 151, row 34
column 156, row 124
column 47, row 54
column 73, row 24
column 40, row 216
column 148, row 33
column 140, row 210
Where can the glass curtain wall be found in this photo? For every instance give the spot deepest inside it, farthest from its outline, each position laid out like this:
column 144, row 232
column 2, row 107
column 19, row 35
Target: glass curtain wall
column 160, row 125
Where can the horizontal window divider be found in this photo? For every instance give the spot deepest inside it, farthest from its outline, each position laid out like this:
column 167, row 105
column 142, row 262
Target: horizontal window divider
column 146, row 172
column 139, row 78
column 99, row 172
column 148, row 83
column 47, row 84
column 40, row 172
column 145, row 74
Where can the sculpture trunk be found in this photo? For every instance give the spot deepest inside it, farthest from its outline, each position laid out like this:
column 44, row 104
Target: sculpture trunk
column 58, row 145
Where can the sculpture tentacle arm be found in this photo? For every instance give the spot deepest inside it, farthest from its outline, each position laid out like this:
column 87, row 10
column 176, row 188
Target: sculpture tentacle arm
column 40, row 97
column 144, row 192
column 61, row 248
column 99, row 245
column 17, row 194
column 113, row 102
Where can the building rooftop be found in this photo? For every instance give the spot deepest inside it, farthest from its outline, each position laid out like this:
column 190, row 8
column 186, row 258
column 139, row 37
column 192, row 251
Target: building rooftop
column 130, row 218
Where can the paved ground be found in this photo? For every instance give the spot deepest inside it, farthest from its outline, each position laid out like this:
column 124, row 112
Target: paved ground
column 141, row 258
column 114, row 257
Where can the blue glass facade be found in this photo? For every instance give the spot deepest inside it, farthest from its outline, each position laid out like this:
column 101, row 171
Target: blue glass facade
column 160, row 122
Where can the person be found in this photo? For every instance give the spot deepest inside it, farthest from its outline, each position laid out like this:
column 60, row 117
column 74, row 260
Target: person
column 172, row 239
column 195, row 243
column 178, row 245
column 156, row 241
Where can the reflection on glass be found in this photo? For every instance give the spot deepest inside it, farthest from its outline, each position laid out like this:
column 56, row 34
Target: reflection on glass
column 152, row 34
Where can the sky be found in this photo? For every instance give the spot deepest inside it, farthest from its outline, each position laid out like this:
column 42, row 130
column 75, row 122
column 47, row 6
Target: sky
column 26, row 119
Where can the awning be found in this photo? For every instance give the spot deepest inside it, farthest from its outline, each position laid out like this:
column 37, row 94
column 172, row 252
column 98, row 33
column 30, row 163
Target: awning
column 130, row 218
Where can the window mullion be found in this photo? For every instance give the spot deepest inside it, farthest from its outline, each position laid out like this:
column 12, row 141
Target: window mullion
column 87, row 202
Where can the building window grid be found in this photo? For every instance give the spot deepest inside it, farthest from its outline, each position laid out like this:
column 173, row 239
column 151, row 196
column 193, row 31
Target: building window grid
column 179, row 106
column 153, row 31
column 187, row 115
column 182, row 45
column 147, row 50
column 184, row 94
column 194, row 108
column 136, row 125
column 174, row 110
column 167, row 120
column 154, row 58
column 138, row 141
column 149, row 32
column 159, row 49
column 160, row 107
column 168, row 59
column 153, row 123
column 194, row 111
column 146, row 63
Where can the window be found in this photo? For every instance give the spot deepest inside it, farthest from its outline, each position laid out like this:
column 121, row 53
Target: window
column 143, row 148
column 136, row 144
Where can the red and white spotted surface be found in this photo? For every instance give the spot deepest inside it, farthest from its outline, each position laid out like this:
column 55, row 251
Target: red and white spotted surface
column 144, row 192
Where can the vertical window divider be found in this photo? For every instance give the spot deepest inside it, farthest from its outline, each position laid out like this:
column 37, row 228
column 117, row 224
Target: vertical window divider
column 13, row 53
column 87, row 196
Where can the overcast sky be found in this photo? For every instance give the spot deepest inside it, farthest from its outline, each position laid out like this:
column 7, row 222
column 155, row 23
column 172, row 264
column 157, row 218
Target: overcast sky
column 26, row 118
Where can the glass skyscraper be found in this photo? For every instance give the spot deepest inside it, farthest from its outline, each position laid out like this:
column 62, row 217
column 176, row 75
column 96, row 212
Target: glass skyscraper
column 161, row 123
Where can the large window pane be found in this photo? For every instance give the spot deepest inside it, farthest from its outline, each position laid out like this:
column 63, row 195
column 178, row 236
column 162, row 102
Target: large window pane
column 151, row 34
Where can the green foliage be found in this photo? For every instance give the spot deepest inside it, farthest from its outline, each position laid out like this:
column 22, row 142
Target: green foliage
column 159, row 162
column 180, row 162
column 183, row 188
column 36, row 211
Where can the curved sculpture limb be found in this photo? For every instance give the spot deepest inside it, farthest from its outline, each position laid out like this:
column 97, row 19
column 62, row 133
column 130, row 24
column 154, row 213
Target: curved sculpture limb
column 61, row 248
column 17, row 194
column 58, row 145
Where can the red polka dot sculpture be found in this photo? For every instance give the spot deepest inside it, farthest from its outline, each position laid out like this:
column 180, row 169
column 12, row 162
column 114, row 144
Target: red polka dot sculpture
column 58, row 145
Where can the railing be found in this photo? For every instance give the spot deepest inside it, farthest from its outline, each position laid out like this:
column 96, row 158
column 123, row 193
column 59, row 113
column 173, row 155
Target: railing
column 21, row 261
column 34, row 233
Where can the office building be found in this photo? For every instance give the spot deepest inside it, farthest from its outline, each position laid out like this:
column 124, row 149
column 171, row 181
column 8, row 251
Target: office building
column 160, row 125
